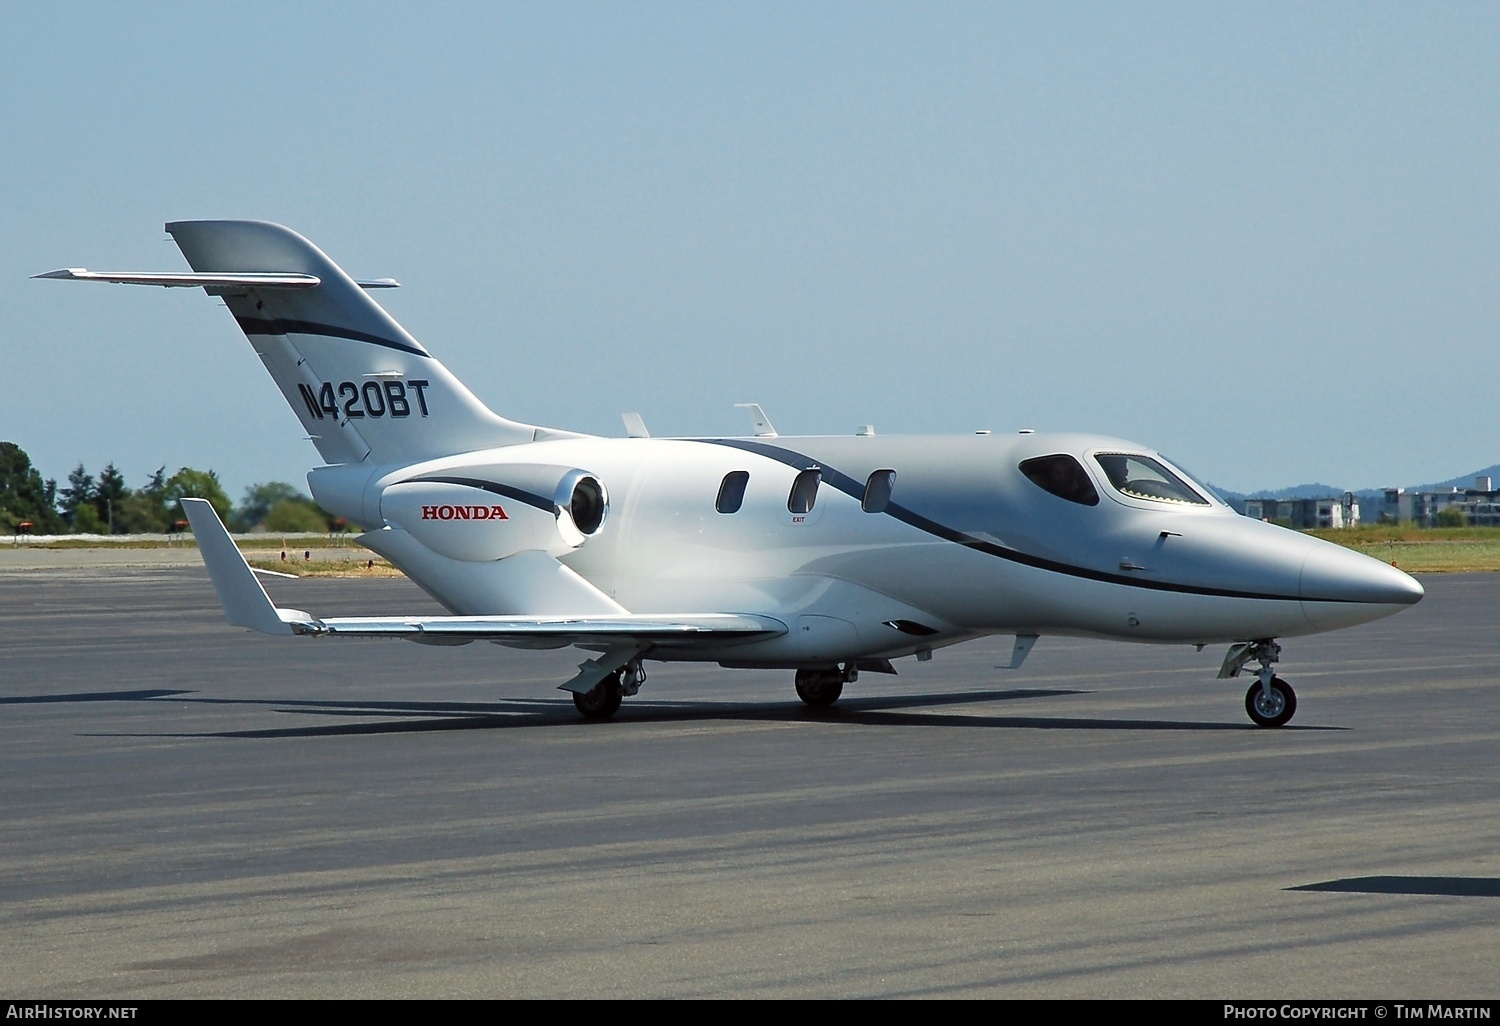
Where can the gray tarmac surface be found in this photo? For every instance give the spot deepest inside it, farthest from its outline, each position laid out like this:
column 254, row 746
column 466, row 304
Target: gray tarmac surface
column 192, row 810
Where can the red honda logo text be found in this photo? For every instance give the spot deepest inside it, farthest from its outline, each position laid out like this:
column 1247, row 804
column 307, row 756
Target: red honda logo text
column 464, row 513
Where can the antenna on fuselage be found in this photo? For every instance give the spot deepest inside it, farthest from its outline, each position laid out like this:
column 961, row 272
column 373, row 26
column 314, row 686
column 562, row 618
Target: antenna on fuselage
column 758, row 420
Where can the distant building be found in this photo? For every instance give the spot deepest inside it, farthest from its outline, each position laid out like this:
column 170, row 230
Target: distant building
column 1306, row 513
column 1480, row 505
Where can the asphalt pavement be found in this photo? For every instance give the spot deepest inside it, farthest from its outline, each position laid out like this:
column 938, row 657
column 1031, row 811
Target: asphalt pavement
column 193, row 810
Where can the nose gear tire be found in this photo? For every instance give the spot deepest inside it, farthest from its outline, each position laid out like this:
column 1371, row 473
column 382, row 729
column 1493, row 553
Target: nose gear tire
column 1273, row 710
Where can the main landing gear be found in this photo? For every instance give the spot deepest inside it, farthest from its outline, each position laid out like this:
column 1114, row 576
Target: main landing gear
column 821, row 688
column 1271, row 702
column 603, row 700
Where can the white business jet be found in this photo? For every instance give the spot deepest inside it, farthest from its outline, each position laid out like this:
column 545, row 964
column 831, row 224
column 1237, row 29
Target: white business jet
column 829, row 556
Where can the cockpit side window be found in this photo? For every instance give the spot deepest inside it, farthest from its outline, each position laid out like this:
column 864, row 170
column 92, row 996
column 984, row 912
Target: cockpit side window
column 1063, row 476
column 1141, row 477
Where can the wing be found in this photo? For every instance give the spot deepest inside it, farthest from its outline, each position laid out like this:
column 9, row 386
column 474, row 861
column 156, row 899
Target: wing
column 246, row 604
column 659, row 630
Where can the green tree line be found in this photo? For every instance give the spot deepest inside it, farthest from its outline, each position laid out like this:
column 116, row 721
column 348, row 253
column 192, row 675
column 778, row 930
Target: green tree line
column 105, row 504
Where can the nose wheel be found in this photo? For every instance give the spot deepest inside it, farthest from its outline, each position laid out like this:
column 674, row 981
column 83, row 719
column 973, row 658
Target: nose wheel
column 1271, row 706
column 1271, row 702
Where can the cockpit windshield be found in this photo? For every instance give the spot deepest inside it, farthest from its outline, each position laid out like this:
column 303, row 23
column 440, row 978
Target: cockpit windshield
column 1141, row 477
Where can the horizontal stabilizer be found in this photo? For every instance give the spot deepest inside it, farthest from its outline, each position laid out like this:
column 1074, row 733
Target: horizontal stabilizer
column 186, row 279
column 197, row 279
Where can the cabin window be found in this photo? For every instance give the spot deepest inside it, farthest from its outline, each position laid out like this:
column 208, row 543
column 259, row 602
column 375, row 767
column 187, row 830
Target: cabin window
column 1063, row 476
column 1141, row 477
column 878, row 491
column 732, row 491
column 804, row 491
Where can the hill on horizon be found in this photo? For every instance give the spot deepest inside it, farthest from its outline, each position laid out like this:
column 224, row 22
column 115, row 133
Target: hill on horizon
column 1319, row 490
column 1331, row 491
column 1462, row 481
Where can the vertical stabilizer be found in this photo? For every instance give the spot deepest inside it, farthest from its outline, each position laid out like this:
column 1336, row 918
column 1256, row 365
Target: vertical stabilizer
column 361, row 386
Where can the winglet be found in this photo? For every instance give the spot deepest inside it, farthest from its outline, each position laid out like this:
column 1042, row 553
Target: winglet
column 245, row 602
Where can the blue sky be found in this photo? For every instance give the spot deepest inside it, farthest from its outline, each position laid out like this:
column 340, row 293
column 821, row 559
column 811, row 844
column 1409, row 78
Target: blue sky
column 1263, row 239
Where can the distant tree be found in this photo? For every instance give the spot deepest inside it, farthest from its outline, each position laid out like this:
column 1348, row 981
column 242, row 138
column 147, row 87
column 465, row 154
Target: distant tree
column 86, row 520
column 140, row 513
column 260, row 499
column 157, row 483
column 1452, row 516
column 195, row 484
column 155, row 494
column 109, row 494
column 24, row 495
column 297, row 514
column 80, row 492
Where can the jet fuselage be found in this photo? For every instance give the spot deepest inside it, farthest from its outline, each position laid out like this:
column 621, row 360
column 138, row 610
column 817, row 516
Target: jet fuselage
column 964, row 543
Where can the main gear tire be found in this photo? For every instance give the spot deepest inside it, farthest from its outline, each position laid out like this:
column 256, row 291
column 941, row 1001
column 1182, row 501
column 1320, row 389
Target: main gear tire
column 602, row 702
column 819, row 688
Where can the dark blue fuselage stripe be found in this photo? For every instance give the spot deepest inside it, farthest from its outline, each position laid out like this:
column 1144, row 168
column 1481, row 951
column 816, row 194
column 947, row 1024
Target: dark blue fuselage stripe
column 530, row 498
column 281, row 326
column 856, row 490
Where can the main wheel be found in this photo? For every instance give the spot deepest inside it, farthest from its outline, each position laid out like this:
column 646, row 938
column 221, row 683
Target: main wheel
column 819, row 688
column 1272, row 710
column 602, row 702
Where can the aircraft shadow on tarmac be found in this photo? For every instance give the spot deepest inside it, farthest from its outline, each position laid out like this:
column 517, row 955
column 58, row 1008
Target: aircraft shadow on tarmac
column 94, row 696
column 1446, row 886
column 416, row 717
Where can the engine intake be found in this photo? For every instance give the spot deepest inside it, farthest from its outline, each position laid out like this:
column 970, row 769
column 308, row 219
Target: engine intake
column 582, row 499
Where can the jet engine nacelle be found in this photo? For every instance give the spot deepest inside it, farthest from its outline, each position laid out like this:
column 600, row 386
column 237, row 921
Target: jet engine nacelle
column 480, row 514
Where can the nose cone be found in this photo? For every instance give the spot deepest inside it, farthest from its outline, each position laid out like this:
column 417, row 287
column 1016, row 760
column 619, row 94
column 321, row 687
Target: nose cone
column 1340, row 587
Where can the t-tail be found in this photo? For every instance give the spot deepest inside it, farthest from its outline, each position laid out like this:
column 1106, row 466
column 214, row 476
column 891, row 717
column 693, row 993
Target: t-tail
column 363, row 388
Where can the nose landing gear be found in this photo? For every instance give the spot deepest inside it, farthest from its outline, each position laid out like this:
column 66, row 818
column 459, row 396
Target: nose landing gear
column 1270, row 702
column 1271, row 706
